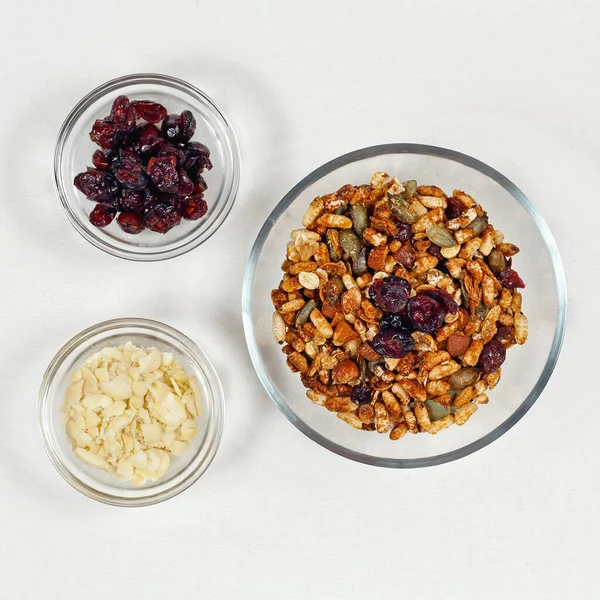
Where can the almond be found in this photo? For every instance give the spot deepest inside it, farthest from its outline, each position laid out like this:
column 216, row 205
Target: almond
column 458, row 344
column 345, row 371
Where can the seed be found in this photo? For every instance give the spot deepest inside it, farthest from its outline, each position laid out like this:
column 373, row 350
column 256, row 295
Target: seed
column 478, row 225
column 401, row 209
column 496, row 261
column 436, row 410
column 333, row 244
column 440, row 236
column 410, row 189
column 304, row 313
column 333, row 290
column 359, row 266
column 350, row 243
column 465, row 377
column 360, row 219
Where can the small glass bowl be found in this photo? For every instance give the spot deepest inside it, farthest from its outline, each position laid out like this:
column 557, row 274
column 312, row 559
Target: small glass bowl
column 74, row 149
column 527, row 368
column 95, row 483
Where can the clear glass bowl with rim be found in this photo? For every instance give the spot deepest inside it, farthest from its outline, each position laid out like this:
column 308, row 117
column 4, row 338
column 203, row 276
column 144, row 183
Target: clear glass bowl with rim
column 527, row 368
column 74, row 149
column 95, row 483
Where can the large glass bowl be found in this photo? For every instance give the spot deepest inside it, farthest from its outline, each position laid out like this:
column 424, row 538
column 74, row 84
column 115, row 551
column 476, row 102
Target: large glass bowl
column 527, row 368
column 74, row 151
column 95, row 483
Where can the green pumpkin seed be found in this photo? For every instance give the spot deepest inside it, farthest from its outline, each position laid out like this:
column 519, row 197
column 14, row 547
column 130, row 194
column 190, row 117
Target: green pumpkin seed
column 436, row 410
column 304, row 313
column 464, row 378
column 360, row 219
column 333, row 244
column 401, row 209
column 440, row 236
column 359, row 266
column 496, row 261
column 482, row 310
column 478, row 225
column 410, row 189
column 333, row 290
column 340, row 210
column 350, row 243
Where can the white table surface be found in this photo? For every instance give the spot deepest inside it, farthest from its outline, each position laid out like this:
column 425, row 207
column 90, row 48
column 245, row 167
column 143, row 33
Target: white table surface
column 513, row 83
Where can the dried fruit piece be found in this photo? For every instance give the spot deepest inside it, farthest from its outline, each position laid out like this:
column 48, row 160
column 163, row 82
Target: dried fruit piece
column 107, row 134
column 390, row 294
column 100, row 161
column 152, row 112
column 393, row 343
column 128, row 171
column 194, row 207
column 510, row 279
column 444, row 299
column 97, row 185
column 102, row 215
column 130, row 222
column 492, row 356
column 425, row 313
column 163, row 173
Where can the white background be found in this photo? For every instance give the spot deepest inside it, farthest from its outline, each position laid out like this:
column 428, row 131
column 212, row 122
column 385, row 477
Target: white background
column 513, row 83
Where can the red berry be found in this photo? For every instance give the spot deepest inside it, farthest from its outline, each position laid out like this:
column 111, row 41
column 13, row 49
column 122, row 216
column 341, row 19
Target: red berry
column 392, row 295
column 102, row 215
column 130, row 200
column 361, row 394
column 106, row 134
column 510, row 279
column 492, row 356
column 186, row 187
column 171, row 128
column 162, row 170
column 151, row 112
column 426, row 314
column 119, row 113
column 98, row 186
column 393, row 343
column 130, row 222
column 194, row 207
column 454, row 208
column 187, row 126
column 149, row 139
column 100, row 161
column 445, row 299
column 129, row 173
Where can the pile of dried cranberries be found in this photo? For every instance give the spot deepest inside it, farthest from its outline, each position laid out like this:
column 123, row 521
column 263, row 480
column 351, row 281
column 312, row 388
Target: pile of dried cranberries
column 147, row 170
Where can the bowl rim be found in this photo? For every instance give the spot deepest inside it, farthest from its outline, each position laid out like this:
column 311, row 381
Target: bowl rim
column 167, row 81
column 201, row 462
column 435, row 151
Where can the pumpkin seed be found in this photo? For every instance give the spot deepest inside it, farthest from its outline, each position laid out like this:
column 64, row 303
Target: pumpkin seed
column 436, row 410
column 333, row 244
column 482, row 310
column 340, row 210
column 304, row 313
column 359, row 266
column 496, row 261
column 440, row 236
column 410, row 189
column 464, row 378
column 360, row 219
column 350, row 243
column 478, row 225
column 401, row 209
column 333, row 290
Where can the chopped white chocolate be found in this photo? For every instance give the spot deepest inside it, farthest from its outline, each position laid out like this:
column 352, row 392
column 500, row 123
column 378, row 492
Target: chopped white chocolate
column 128, row 410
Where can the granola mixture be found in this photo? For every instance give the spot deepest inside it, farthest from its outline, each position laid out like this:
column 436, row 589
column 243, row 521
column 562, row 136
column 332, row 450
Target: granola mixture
column 397, row 305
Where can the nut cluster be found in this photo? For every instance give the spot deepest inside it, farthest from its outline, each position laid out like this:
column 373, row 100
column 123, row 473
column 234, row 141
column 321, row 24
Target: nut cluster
column 397, row 305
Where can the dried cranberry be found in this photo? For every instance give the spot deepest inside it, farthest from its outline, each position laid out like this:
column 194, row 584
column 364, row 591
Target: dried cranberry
column 505, row 334
column 510, row 279
column 151, row 197
column 392, row 295
column 151, row 112
column 170, row 150
column 193, row 151
column 102, row 215
column 406, row 256
column 445, row 299
column 162, row 170
column 170, row 212
column 492, row 356
column 119, row 113
column 373, row 289
column 149, row 138
column 130, row 222
column 404, row 231
column 171, row 128
column 394, row 321
column 393, row 343
column 98, row 186
column 205, row 163
column 454, row 208
column 193, row 207
column 129, row 173
column 201, row 185
column 106, row 134
column 186, row 187
column 435, row 250
column 361, row 394
column 100, row 161
column 426, row 314
column 130, row 200
column 187, row 125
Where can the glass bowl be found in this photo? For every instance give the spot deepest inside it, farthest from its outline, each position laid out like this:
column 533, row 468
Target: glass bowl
column 95, row 483
column 74, row 149
column 527, row 368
